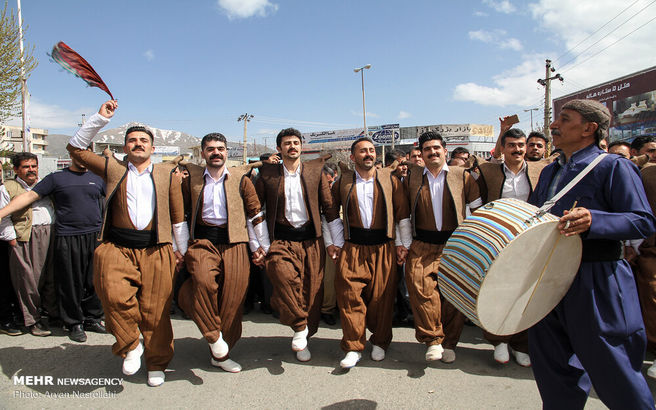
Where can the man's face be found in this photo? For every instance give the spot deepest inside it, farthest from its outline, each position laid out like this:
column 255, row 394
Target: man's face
column 402, row 169
column 290, row 147
column 650, row 150
column 621, row 150
column 364, row 155
column 415, row 157
column 513, row 150
column 28, row 171
column 138, row 146
column 214, row 153
column 433, row 154
column 535, row 149
column 463, row 155
column 570, row 131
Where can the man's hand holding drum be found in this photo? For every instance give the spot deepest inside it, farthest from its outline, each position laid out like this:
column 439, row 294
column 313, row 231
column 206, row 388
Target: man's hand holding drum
column 575, row 221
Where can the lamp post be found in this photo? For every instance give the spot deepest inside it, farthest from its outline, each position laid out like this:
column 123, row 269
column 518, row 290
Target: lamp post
column 364, row 111
column 245, row 117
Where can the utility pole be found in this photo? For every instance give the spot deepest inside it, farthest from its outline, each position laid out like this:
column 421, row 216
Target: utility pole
column 531, row 110
column 546, row 82
column 246, row 118
column 27, row 138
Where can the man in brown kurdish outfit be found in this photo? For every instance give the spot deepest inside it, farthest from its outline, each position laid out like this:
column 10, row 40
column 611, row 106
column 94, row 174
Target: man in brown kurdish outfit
column 222, row 202
column 293, row 193
column 373, row 203
column 134, row 264
column 438, row 196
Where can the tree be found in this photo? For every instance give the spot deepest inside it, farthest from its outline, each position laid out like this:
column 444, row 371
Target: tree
column 12, row 67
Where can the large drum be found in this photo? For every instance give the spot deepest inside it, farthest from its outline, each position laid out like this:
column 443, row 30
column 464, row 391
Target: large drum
column 507, row 266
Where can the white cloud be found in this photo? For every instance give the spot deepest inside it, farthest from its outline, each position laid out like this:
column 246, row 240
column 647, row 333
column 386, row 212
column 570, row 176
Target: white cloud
column 267, row 131
column 52, row 116
column 239, row 9
column 404, row 114
column 369, row 114
column 501, row 6
column 479, row 13
column 570, row 23
column 149, row 54
column 497, row 37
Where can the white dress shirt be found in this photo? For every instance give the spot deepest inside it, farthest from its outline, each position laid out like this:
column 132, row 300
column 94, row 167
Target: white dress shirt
column 42, row 212
column 516, row 185
column 215, row 210
column 295, row 210
column 436, row 187
column 365, row 191
column 141, row 196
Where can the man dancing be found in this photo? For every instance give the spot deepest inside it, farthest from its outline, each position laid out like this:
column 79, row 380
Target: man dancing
column 134, row 264
column 293, row 193
column 221, row 202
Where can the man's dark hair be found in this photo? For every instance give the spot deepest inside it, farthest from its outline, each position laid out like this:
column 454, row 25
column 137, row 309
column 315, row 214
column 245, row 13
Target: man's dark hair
column 616, row 143
column 639, row 142
column 430, row 135
column 537, row 134
column 265, row 156
column 213, row 136
column 359, row 140
column 139, row 128
column 396, row 155
column 459, row 150
column 415, row 149
column 286, row 133
column 512, row 133
column 19, row 157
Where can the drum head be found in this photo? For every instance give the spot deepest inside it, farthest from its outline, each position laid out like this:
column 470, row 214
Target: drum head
column 503, row 306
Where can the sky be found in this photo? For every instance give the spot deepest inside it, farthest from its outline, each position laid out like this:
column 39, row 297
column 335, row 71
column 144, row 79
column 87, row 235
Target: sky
column 196, row 66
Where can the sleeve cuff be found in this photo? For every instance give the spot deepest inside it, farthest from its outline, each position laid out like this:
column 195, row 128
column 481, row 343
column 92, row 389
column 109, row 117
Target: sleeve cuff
column 475, row 204
column 180, row 237
column 89, row 129
column 261, row 236
column 336, row 229
column 404, row 231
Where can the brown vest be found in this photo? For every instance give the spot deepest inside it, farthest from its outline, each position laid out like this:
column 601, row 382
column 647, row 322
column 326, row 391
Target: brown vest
column 272, row 176
column 21, row 219
column 454, row 187
column 116, row 174
column 493, row 177
column 383, row 180
column 237, row 231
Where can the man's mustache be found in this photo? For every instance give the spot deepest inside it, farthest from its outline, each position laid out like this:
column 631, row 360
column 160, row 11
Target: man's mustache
column 138, row 148
column 216, row 156
column 368, row 158
column 555, row 132
column 434, row 156
column 31, row 173
column 517, row 153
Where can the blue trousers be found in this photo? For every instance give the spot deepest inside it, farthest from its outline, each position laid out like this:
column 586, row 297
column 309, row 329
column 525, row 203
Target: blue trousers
column 594, row 337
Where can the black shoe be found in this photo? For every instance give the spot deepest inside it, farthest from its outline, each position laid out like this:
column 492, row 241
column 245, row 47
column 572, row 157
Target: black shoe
column 40, row 329
column 10, row 329
column 95, row 327
column 328, row 318
column 77, row 334
column 265, row 308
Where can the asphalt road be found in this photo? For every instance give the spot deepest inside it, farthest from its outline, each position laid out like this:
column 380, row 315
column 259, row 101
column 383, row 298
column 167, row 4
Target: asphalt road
column 271, row 376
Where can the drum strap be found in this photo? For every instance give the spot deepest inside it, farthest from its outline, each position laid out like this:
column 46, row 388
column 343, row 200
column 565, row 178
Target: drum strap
column 550, row 203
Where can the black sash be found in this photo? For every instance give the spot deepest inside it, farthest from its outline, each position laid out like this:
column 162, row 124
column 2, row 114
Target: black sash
column 361, row 236
column 214, row 234
column 433, row 237
column 601, row 250
column 289, row 233
column 132, row 238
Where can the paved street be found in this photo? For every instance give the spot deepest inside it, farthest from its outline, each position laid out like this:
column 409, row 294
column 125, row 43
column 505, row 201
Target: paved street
column 271, row 376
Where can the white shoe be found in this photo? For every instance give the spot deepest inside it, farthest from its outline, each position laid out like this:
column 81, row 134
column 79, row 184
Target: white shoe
column 434, row 352
column 377, row 353
column 522, row 358
column 227, row 365
column 219, row 348
column 501, row 354
column 304, row 355
column 299, row 341
column 651, row 372
column 155, row 378
column 132, row 361
column 448, row 356
column 350, row 360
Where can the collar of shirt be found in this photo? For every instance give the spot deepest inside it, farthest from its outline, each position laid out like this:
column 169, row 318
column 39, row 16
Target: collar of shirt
column 225, row 173
column 445, row 168
column 295, row 174
column 508, row 171
column 358, row 178
column 134, row 169
column 579, row 155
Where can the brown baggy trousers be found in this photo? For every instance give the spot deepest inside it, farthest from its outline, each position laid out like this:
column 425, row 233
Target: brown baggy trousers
column 329, row 296
column 296, row 273
column 135, row 288
column 214, row 294
column 365, row 284
column 645, row 276
column 436, row 320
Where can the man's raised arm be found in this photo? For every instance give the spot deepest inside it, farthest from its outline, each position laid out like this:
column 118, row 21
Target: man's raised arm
column 78, row 144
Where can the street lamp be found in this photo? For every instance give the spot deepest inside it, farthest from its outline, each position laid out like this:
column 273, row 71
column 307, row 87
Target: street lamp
column 364, row 111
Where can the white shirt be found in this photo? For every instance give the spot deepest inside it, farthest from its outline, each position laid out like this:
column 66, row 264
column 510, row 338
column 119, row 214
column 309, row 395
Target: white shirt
column 141, row 196
column 516, row 185
column 436, row 187
column 42, row 212
column 365, row 192
column 215, row 210
column 295, row 211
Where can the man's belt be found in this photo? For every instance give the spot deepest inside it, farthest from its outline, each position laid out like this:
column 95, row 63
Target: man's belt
column 215, row 234
column 361, row 236
column 132, row 238
column 289, row 233
column 601, row 250
column 433, row 237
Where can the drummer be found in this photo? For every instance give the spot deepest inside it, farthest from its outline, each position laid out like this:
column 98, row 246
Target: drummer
column 595, row 336
column 512, row 178
column 438, row 196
